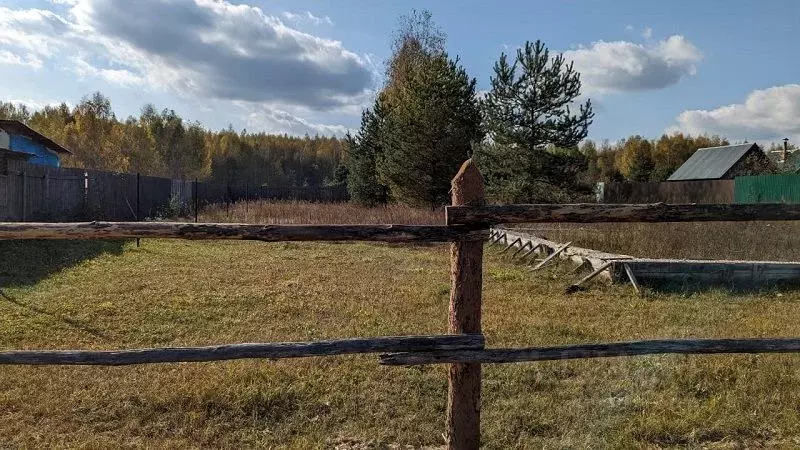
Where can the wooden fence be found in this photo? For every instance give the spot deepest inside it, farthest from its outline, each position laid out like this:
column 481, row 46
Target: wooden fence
column 698, row 191
column 31, row 192
column 468, row 222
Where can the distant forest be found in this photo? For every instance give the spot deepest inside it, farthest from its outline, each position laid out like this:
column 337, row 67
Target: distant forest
column 161, row 143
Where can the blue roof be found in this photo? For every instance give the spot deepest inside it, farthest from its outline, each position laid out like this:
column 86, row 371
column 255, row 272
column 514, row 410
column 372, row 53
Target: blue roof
column 711, row 163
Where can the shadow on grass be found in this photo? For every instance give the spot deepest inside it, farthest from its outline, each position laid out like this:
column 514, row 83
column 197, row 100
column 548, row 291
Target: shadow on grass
column 26, row 262
column 74, row 323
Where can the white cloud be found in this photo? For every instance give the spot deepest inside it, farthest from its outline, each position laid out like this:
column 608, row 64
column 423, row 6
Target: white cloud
column 35, row 105
column 33, row 31
column 647, row 33
column 622, row 66
column 276, row 120
column 200, row 49
column 221, row 50
column 307, row 17
column 120, row 77
column 7, row 57
column 765, row 114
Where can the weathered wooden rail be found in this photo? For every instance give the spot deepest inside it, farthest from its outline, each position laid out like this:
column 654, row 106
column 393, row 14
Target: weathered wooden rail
column 241, row 351
column 596, row 213
column 240, row 231
column 467, row 228
column 604, row 350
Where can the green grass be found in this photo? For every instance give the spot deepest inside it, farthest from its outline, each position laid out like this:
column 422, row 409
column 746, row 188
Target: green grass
column 174, row 293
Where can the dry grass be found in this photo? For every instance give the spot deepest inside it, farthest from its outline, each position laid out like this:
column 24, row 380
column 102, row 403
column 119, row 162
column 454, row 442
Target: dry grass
column 294, row 212
column 170, row 293
column 765, row 241
column 778, row 241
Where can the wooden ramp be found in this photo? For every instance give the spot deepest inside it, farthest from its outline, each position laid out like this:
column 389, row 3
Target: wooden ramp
column 676, row 273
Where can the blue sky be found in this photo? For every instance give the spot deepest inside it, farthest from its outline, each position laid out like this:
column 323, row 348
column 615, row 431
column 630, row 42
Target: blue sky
column 727, row 67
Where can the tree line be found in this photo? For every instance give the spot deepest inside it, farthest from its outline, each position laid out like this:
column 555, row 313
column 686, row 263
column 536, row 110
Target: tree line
column 161, row 143
column 639, row 159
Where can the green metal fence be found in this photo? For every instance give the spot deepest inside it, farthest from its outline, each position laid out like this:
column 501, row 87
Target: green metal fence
column 767, row 189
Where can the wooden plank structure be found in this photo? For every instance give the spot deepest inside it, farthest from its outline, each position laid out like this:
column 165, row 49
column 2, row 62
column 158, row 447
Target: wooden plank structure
column 592, row 258
column 467, row 228
column 694, row 272
column 552, row 256
column 655, row 272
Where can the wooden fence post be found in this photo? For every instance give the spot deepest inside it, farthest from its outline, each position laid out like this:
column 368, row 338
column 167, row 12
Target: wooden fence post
column 195, row 200
column 24, row 195
column 466, row 264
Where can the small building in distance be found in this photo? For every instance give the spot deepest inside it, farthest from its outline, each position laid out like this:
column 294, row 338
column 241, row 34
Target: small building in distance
column 18, row 142
column 725, row 163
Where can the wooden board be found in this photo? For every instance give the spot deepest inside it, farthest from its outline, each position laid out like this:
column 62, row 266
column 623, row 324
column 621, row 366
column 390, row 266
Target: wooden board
column 747, row 274
column 266, row 233
column 599, row 212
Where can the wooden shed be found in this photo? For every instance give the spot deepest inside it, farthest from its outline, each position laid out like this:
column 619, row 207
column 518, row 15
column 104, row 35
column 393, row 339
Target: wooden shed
column 725, row 163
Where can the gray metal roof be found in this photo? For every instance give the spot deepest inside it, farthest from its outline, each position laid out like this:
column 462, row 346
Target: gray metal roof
column 711, row 163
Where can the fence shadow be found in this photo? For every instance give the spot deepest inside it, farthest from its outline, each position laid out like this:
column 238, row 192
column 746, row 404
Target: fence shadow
column 26, row 262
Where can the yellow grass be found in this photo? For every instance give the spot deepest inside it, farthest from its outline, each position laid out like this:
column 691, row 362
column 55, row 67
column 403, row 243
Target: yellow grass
column 172, row 293
column 301, row 212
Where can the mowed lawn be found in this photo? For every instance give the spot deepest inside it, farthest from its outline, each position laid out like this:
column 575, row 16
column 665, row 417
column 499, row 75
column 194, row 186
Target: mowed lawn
column 176, row 293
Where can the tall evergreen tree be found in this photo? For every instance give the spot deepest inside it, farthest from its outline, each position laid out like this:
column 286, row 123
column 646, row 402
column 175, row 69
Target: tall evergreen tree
column 364, row 149
column 412, row 142
column 429, row 131
column 526, row 111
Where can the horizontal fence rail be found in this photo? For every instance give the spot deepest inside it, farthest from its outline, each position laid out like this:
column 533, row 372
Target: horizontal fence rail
column 632, row 348
column 242, row 351
column 268, row 233
column 595, row 213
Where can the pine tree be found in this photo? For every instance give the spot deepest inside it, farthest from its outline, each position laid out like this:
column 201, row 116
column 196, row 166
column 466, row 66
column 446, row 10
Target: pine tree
column 422, row 126
column 429, row 131
column 527, row 110
column 364, row 149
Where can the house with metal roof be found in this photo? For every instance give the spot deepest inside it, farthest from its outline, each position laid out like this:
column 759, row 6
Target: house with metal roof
column 19, row 142
column 725, row 163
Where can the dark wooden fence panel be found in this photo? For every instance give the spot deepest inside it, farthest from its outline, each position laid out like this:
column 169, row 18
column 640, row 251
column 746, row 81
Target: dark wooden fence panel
column 155, row 195
column 111, row 196
column 29, row 192
column 704, row 191
column 38, row 193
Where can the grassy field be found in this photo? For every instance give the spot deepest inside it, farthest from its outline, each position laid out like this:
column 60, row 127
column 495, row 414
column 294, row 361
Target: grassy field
column 302, row 212
column 173, row 293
